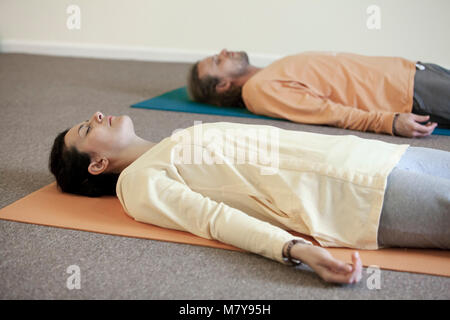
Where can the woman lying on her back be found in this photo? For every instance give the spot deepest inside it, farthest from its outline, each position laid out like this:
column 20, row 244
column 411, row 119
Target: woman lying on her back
column 344, row 191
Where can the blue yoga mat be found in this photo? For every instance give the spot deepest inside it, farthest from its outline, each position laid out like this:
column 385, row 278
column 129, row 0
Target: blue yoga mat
column 178, row 100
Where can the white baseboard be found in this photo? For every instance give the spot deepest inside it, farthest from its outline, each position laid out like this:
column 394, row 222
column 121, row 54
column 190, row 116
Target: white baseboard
column 101, row 51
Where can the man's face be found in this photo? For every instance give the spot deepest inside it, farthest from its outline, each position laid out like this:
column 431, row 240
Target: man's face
column 225, row 65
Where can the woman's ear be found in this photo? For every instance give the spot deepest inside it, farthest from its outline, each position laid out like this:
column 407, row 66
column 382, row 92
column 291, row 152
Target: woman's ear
column 98, row 165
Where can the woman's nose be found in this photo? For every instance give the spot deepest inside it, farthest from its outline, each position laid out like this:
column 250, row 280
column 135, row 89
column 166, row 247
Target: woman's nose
column 98, row 116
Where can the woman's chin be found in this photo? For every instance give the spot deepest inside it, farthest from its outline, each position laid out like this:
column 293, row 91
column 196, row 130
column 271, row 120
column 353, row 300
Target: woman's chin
column 123, row 120
column 126, row 124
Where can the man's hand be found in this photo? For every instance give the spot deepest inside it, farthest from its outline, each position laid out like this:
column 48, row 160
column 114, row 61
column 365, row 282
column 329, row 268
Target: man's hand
column 407, row 125
column 327, row 267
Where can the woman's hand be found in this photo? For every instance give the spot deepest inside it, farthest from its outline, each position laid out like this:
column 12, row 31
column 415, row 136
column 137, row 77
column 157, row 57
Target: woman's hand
column 327, row 267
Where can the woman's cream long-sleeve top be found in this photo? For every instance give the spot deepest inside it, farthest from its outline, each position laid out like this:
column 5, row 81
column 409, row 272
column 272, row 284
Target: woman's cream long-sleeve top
column 245, row 185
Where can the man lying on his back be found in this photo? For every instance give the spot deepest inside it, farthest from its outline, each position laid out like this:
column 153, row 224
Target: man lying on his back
column 389, row 95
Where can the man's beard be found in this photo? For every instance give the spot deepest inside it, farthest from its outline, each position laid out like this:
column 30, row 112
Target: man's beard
column 243, row 64
column 244, row 56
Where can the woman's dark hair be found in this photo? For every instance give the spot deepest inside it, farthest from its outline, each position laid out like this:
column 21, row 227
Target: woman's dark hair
column 203, row 90
column 70, row 168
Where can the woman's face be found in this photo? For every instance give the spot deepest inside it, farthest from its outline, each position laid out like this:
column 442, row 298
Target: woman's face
column 103, row 136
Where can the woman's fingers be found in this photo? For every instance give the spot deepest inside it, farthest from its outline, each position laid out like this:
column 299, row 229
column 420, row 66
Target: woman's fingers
column 331, row 269
column 331, row 276
column 357, row 268
column 336, row 265
column 340, row 272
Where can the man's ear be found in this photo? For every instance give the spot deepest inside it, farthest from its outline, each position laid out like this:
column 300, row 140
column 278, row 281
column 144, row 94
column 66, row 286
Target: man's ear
column 98, row 165
column 223, row 85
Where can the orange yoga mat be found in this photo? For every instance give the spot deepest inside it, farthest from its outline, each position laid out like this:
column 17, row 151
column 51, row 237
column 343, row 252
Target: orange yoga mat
column 50, row 207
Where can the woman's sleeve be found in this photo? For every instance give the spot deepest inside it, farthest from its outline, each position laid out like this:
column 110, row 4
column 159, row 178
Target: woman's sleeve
column 153, row 197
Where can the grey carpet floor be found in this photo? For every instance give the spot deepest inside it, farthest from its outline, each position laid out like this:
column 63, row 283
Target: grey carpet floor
column 42, row 95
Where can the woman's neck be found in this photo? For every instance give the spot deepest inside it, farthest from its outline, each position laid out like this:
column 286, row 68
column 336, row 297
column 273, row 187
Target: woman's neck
column 132, row 153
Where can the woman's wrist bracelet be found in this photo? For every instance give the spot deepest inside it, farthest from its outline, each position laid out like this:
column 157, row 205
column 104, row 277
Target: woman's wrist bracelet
column 288, row 257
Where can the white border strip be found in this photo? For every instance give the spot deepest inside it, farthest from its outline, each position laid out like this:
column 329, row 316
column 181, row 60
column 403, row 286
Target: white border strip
column 102, row 51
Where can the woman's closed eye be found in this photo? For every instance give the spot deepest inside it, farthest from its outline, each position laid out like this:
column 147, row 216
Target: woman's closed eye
column 88, row 128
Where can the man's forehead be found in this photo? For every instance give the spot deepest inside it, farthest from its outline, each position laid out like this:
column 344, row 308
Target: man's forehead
column 204, row 66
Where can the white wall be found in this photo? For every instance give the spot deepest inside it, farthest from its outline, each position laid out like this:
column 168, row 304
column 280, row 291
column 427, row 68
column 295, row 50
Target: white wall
column 186, row 30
